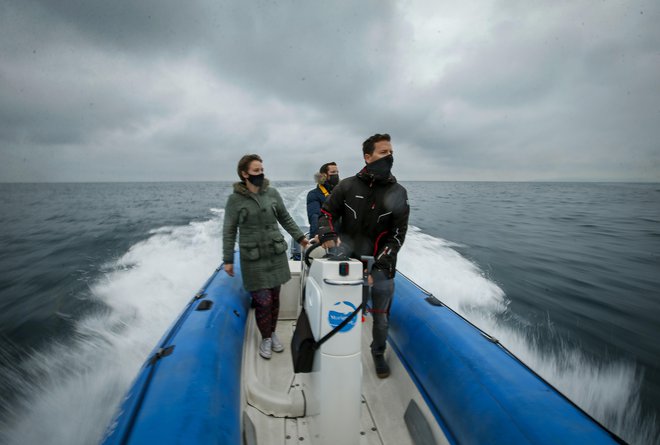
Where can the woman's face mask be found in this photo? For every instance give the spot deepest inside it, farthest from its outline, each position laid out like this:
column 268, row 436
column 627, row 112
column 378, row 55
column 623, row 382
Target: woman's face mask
column 256, row 180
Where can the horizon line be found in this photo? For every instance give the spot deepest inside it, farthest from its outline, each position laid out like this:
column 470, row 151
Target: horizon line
column 591, row 181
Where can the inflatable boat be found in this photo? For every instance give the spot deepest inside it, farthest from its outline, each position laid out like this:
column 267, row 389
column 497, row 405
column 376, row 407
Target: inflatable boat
column 450, row 383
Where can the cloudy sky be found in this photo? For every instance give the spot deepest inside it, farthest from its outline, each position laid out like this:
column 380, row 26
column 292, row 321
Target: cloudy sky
column 171, row 90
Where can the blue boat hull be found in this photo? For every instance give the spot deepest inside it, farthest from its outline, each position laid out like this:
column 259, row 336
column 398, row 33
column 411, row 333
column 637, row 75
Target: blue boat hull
column 193, row 394
column 478, row 392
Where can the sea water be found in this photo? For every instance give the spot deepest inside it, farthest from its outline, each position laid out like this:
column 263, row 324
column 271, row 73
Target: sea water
column 566, row 276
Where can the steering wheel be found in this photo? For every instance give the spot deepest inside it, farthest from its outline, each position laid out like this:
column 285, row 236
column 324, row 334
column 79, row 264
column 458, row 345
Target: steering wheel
column 308, row 251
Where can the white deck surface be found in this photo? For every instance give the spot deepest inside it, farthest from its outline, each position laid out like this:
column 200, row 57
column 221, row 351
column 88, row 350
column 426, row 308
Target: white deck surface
column 384, row 401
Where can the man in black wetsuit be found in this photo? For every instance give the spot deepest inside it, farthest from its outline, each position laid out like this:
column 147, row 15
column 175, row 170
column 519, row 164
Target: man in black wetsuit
column 373, row 209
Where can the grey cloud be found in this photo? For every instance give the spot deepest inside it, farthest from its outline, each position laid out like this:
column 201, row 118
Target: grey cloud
column 552, row 92
column 318, row 52
column 148, row 26
column 522, row 91
column 58, row 89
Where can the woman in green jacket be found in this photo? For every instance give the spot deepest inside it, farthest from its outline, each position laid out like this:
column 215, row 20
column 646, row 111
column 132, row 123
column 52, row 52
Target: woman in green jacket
column 253, row 210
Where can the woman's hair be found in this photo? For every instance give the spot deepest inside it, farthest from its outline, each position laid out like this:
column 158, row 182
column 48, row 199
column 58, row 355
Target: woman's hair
column 244, row 164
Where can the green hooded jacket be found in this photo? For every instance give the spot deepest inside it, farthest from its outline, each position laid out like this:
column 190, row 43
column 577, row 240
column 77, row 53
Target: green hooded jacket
column 262, row 247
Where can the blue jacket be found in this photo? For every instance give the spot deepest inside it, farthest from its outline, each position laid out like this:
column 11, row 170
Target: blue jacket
column 315, row 199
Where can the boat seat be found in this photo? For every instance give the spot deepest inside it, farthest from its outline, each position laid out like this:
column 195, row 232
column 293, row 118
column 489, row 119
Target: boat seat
column 268, row 385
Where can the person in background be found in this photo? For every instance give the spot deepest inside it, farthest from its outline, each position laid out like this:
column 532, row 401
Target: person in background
column 327, row 178
column 253, row 211
column 373, row 209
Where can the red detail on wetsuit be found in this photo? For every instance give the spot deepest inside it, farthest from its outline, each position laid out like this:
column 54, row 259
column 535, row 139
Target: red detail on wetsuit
column 377, row 240
column 378, row 311
column 326, row 213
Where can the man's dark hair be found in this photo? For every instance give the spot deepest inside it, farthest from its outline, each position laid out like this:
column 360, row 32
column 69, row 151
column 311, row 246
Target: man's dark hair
column 244, row 164
column 368, row 145
column 325, row 167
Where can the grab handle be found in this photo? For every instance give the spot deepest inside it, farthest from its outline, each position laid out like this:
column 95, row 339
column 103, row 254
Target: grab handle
column 342, row 283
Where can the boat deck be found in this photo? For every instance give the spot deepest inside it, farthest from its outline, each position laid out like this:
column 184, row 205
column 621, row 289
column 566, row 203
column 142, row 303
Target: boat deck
column 385, row 402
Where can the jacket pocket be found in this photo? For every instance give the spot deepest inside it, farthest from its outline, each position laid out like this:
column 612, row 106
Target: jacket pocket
column 279, row 245
column 242, row 216
column 250, row 251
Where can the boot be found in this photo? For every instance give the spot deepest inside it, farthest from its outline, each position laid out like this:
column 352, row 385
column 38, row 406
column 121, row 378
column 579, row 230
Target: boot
column 382, row 368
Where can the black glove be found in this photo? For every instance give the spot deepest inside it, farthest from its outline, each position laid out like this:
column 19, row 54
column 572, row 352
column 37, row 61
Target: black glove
column 330, row 236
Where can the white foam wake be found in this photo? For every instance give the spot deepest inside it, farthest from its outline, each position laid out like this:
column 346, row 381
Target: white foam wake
column 610, row 392
column 433, row 263
column 69, row 391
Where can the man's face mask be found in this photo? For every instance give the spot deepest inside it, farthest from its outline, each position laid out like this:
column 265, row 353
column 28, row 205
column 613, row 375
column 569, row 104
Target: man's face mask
column 332, row 181
column 382, row 166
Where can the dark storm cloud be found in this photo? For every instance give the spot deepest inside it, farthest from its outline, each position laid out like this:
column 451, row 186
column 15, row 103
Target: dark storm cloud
column 319, row 52
column 177, row 90
column 303, row 58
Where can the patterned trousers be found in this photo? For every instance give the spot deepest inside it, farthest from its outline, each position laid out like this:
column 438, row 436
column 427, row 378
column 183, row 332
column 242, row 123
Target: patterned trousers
column 266, row 304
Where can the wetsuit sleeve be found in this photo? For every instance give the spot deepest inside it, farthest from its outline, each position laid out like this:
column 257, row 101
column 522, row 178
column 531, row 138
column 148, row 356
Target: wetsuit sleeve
column 331, row 211
column 285, row 219
column 393, row 240
column 229, row 230
column 313, row 212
